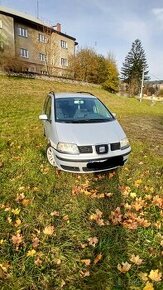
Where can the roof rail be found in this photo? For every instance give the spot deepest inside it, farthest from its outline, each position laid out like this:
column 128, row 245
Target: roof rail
column 82, row 92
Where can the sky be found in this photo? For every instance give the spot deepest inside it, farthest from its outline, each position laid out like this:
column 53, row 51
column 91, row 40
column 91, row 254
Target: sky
column 108, row 26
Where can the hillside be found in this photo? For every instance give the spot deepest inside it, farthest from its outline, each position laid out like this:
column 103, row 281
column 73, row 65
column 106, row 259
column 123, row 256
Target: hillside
column 78, row 232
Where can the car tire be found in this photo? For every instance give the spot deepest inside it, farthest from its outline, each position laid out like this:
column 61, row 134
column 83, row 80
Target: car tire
column 50, row 155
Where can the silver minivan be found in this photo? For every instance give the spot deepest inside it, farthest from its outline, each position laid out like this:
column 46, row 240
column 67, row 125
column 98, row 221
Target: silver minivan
column 83, row 135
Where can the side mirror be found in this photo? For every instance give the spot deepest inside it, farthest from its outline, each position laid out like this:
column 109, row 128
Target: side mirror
column 43, row 117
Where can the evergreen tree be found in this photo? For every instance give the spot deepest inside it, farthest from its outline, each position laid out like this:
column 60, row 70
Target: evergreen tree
column 132, row 69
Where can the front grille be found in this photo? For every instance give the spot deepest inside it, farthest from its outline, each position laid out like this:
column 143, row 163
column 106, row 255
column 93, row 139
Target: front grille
column 115, row 146
column 85, row 149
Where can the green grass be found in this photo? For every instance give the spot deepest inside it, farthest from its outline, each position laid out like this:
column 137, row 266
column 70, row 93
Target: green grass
column 69, row 202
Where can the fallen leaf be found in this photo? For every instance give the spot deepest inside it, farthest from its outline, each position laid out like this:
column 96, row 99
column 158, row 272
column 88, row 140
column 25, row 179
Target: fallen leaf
column 7, row 208
column 84, row 274
column 65, row 218
column 93, row 241
column 86, row 261
column 26, row 202
column 20, row 197
column 127, row 206
column 138, row 182
column 143, row 222
column 100, row 195
column 63, row 283
column 57, row 261
column 9, row 219
column 158, row 201
column 83, row 246
column 17, row 222
column 17, row 240
column 143, row 276
column 35, row 242
column 48, row 230
column 16, row 211
column 3, row 270
column 124, row 267
column 97, row 259
column 4, row 267
column 136, row 260
column 97, row 217
column 155, row 275
column 31, row 253
column 148, row 196
column 133, row 194
column 2, row 241
column 55, row 213
column 38, row 262
column 125, row 190
column 21, row 188
column 111, row 174
column 116, row 216
column 138, row 204
column 158, row 225
column 100, row 222
column 109, row 194
column 148, row 286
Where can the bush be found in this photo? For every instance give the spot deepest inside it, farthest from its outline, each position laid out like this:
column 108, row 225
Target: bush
column 160, row 93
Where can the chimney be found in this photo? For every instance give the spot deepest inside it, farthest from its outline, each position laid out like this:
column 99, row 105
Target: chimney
column 58, row 27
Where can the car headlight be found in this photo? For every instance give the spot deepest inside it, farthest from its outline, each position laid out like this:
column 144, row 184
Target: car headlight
column 124, row 143
column 69, row 148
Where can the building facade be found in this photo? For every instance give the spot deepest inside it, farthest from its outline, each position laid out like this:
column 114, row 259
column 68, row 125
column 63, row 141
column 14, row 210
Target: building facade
column 36, row 46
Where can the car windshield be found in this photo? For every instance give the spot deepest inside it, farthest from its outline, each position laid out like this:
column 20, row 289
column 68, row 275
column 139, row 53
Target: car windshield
column 81, row 110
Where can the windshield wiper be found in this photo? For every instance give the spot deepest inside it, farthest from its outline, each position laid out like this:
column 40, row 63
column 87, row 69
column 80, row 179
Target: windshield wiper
column 85, row 121
column 90, row 121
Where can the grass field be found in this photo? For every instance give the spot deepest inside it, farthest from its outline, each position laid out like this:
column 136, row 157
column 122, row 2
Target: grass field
column 78, row 232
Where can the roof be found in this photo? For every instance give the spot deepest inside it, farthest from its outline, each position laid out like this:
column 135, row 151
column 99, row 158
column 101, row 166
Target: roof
column 33, row 20
column 72, row 95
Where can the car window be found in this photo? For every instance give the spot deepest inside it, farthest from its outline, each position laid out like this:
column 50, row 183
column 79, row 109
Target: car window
column 81, row 110
column 48, row 108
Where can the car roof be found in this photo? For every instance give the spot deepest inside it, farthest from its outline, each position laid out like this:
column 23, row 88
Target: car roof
column 72, row 95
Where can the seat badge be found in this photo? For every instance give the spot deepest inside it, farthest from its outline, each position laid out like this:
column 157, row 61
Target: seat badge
column 102, row 149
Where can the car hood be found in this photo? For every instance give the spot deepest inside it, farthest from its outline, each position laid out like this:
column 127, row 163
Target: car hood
column 90, row 133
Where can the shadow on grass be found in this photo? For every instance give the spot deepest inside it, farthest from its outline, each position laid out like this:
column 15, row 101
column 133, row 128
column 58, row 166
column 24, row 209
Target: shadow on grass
column 112, row 239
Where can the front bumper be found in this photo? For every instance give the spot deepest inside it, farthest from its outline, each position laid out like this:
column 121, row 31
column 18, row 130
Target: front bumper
column 89, row 163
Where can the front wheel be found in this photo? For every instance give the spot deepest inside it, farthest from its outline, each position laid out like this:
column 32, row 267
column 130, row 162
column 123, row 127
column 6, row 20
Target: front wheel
column 50, row 155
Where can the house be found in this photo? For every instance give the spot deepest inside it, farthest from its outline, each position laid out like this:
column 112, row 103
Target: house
column 40, row 48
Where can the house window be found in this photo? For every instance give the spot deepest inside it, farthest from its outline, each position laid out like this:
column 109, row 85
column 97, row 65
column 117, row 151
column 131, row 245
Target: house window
column 42, row 56
column 43, row 72
column 42, row 38
column 22, row 32
column 24, row 53
column 0, row 24
column 64, row 62
column 63, row 44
